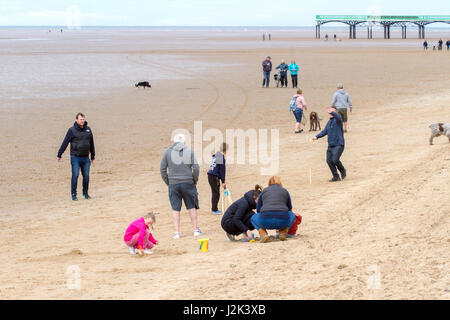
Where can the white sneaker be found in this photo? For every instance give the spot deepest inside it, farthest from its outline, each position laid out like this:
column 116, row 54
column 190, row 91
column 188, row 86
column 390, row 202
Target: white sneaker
column 176, row 235
column 147, row 251
column 197, row 232
column 131, row 249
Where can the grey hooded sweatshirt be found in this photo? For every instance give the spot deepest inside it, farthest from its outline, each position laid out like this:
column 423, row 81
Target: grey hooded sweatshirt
column 341, row 100
column 181, row 164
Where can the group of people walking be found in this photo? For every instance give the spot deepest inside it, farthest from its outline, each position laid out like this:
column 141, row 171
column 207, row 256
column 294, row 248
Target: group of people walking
column 283, row 68
column 440, row 45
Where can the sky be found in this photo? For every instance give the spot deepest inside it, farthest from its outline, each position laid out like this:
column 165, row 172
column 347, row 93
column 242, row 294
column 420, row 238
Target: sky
column 201, row 12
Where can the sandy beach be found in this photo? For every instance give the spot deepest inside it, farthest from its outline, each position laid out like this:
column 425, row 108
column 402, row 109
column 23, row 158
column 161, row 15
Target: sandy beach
column 389, row 220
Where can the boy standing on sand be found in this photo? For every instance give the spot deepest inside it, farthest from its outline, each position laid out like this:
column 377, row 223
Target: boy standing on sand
column 336, row 144
column 216, row 174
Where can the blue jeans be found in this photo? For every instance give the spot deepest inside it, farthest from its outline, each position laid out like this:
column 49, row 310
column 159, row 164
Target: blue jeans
column 298, row 113
column 84, row 164
column 286, row 220
column 333, row 160
column 266, row 79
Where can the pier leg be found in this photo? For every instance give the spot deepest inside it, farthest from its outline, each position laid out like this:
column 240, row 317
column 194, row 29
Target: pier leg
column 351, row 31
column 371, row 35
column 354, row 32
column 389, row 31
column 423, row 32
column 385, row 33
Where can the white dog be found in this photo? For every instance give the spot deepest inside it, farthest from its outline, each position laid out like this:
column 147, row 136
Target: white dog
column 439, row 129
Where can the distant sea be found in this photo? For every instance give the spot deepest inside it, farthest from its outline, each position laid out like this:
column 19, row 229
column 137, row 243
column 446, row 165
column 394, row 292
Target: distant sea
column 213, row 28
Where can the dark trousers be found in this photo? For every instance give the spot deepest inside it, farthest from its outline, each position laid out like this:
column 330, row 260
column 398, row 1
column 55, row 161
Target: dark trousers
column 294, row 80
column 283, row 79
column 84, row 164
column 232, row 228
column 214, row 182
column 266, row 79
column 333, row 160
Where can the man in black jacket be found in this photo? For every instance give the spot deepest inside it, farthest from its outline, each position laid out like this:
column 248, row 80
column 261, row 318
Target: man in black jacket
column 81, row 144
column 267, row 68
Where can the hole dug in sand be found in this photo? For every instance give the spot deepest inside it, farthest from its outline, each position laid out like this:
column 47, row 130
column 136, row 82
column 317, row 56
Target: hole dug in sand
column 76, row 252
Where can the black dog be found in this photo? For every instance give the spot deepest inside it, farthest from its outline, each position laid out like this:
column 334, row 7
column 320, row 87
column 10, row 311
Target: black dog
column 314, row 121
column 144, row 84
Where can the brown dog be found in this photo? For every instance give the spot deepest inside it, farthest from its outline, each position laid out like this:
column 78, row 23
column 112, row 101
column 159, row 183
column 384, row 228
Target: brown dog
column 314, row 121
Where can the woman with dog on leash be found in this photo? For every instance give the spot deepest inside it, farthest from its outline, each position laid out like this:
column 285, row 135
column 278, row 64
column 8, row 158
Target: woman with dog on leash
column 298, row 112
column 237, row 218
column 274, row 211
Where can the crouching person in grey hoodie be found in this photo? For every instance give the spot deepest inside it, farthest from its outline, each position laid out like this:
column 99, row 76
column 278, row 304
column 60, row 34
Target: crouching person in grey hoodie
column 180, row 171
column 341, row 101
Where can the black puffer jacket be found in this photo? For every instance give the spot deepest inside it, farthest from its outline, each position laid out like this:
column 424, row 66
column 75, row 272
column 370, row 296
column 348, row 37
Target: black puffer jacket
column 236, row 219
column 81, row 141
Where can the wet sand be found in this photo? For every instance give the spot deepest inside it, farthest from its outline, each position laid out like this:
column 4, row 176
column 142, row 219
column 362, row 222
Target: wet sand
column 391, row 214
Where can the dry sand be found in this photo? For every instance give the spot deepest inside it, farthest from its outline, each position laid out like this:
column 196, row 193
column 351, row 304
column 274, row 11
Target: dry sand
column 389, row 220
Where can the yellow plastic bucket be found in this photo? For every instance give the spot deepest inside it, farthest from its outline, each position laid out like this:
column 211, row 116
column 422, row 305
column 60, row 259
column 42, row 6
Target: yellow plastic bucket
column 203, row 245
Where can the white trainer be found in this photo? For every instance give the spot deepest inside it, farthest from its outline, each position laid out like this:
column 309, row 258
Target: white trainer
column 131, row 249
column 197, row 232
column 146, row 251
column 176, row 235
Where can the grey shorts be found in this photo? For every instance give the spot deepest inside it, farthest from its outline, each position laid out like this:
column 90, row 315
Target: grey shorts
column 183, row 191
column 343, row 114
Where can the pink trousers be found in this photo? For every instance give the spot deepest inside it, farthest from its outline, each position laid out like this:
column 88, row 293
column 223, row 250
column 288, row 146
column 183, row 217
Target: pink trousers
column 133, row 242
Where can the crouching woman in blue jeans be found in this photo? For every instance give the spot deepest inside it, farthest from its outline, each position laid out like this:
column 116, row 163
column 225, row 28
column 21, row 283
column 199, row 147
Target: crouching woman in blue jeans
column 274, row 210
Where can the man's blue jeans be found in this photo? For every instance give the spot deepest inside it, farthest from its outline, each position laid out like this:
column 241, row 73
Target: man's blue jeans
column 266, row 79
column 84, row 164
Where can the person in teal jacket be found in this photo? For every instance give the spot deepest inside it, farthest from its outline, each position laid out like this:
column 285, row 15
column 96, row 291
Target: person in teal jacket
column 293, row 68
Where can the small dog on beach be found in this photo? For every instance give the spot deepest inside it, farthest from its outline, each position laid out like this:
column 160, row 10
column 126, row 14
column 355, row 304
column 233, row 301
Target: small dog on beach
column 439, row 129
column 314, row 121
column 144, row 84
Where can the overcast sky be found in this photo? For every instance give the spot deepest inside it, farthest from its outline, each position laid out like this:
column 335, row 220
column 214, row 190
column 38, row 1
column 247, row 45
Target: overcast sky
column 201, row 12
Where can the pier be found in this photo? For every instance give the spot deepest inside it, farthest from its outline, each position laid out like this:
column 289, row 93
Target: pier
column 387, row 22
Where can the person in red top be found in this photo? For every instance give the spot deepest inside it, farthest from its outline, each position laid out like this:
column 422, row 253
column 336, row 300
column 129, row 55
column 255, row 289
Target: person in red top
column 293, row 229
column 138, row 236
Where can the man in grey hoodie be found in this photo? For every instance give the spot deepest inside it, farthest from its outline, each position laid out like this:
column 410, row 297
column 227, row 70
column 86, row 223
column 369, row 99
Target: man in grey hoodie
column 180, row 170
column 341, row 101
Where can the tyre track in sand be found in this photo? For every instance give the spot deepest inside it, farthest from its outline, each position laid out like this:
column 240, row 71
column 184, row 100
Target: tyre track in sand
column 173, row 70
column 218, row 92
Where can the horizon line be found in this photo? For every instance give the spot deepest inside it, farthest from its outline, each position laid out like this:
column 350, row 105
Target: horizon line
column 172, row 26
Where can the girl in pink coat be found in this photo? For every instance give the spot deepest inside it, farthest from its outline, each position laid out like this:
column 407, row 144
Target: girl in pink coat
column 138, row 236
